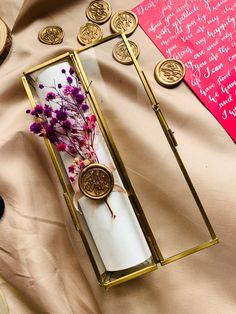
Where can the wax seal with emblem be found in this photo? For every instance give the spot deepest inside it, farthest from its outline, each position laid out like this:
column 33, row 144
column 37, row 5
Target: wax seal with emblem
column 5, row 40
column 98, row 11
column 121, row 54
column 169, row 72
column 96, row 181
column 124, row 21
column 89, row 33
column 51, row 35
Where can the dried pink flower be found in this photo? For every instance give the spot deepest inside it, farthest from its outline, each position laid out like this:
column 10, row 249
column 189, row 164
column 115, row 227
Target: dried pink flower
column 61, row 147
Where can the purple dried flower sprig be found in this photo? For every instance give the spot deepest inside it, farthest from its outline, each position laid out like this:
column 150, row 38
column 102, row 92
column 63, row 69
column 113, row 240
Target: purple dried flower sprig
column 65, row 119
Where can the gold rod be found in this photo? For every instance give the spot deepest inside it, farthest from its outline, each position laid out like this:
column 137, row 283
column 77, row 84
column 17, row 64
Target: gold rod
column 130, row 276
column 44, row 64
column 101, row 41
column 189, row 252
column 72, row 211
column 28, row 91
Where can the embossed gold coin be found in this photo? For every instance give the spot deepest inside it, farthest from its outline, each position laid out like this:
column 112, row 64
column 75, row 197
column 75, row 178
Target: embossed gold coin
column 121, row 54
column 98, row 11
column 51, row 35
column 89, row 33
column 96, row 181
column 169, row 72
column 124, row 21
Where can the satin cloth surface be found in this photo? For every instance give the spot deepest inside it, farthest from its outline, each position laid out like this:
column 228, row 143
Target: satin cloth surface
column 42, row 269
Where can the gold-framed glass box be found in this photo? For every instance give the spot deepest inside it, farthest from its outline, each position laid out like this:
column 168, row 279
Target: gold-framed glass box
column 133, row 243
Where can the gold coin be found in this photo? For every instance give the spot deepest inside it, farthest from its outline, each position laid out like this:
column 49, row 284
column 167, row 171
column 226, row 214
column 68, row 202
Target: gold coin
column 51, row 35
column 98, row 11
column 89, row 33
column 96, row 181
column 124, row 21
column 121, row 54
column 169, row 72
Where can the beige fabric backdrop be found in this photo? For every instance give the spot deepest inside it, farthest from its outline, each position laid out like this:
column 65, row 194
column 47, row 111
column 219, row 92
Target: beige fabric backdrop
column 40, row 272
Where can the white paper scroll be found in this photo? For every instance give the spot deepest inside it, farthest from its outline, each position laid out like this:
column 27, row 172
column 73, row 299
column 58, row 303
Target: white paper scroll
column 120, row 241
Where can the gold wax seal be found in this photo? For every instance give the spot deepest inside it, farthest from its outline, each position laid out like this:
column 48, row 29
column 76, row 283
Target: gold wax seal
column 51, row 35
column 169, row 72
column 96, row 181
column 124, row 21
column 121, row 54
column 5, row 40
column 98, row 11
column 89, row 33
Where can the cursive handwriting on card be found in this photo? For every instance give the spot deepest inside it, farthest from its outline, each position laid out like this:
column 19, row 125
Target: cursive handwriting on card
column 202, row 33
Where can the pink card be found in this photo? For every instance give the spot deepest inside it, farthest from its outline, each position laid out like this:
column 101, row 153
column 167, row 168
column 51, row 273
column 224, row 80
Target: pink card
column 201, row 33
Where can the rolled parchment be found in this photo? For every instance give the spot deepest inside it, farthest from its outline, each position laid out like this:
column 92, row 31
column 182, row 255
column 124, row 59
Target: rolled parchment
column 120, row 241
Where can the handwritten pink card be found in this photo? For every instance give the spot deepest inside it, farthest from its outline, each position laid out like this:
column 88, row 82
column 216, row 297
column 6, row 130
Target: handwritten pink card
column 201, row 33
